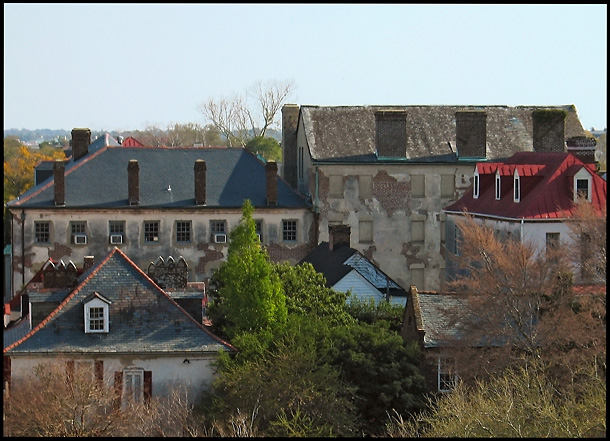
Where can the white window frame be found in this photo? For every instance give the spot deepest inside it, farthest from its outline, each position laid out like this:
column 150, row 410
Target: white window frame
column 133, row 386
column 582, row 175
column 446, row 376
column 96, row 303
column 516, row 187
column 476, row 185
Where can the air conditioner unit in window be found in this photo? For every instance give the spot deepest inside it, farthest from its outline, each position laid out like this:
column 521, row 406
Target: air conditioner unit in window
column 220, row 238
column 116, row 239
column 80, row 239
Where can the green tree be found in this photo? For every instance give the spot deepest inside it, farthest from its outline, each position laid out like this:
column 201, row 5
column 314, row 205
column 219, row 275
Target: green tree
column 268, row 148
column 521, row 403
column 251, row 293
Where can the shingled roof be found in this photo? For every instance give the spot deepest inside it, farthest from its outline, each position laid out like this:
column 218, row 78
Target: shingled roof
column 100, row 180
column 546, row 187
column 143, row 319
column 347, row 133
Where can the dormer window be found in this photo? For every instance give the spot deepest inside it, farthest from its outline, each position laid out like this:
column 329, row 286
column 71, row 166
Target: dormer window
column 498, row 186
column 475, row 189
column 96, row 313
column 516, row 187
column 582, row 185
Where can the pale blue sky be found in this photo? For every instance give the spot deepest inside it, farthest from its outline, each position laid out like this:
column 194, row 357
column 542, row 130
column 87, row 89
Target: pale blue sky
column 126, row 66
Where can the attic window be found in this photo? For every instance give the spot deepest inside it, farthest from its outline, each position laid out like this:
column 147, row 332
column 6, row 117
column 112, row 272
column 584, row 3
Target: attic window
column 498, row 186
column 475, row 191
column 517, row 187
column 96, row 314
column 582, row 185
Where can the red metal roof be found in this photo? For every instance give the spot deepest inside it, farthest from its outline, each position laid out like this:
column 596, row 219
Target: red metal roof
column 547, row 181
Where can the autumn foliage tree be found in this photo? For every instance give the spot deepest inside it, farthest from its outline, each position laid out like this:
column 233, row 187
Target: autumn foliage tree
column 519, row 304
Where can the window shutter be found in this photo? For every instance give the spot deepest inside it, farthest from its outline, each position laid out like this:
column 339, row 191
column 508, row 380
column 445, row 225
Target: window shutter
column 70, row 370
column 99, row 372
column 147, row 386
column 118, row 389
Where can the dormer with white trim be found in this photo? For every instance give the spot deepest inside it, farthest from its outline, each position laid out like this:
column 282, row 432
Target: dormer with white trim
column 516, row 186
column 97, row 316
column 498, row 185
column 476, row 188
column 582, row 184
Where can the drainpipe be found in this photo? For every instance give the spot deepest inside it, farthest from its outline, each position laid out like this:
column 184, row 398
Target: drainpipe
column 22, row 248
column 315, row 206
column 521, row 230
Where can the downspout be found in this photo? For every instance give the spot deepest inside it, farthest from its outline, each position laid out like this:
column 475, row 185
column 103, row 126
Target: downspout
column 315, row 206
column 521, row 238
column 22, row 248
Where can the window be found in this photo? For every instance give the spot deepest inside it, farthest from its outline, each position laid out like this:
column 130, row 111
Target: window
column 219, row 231
column 96, row 314
column 151, row 231
column 418, row 186
column 79, row 232
column 498, row 187
column 582, row 188
column 447, row 377
column 183, row 231
column 42, row 232
column 443, row 232
column 133, row 386
column 365, row 228
column 517, row 187
column 365, row 186
column 259, row 229
column 552, row 246
column 447, row 186
column 418, row 231
column 476, row 185
column 417, row 276
column 335, row 186
column 117, row 231
column 289, row 230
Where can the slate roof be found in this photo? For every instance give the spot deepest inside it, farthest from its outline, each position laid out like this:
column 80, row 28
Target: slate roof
column 347, row 133
column 143, row 319
column 99, row 180
column 343, row 259
column 546, row 187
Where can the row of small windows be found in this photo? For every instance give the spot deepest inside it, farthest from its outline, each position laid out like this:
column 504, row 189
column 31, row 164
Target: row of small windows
column 183, row 231
column 365, row 186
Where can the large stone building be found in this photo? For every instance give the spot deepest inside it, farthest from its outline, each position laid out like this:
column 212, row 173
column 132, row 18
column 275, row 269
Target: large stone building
column 388, row 171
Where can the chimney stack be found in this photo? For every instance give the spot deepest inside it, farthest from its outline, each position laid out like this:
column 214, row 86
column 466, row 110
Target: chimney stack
column 338, row 235
column 391, row 133
column 583, row 148
column 59, row 183
column 549, row 130
column 200, row 184
column 271, row 174
column 81, row 138
column 471, row 133
column 133, row 182
column 290, row 121
column 88, row 262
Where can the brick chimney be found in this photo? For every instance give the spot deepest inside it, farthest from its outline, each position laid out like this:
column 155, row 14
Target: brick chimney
column 290, row 121
column 549, row 130
column 59, row 183
column 133, row 182
column 81, row 138
column 200, row 177
column 338, row 235
column 88, row 262
column 391, row 133
column 583, row 148
column 271, row 175
column 471, row 133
